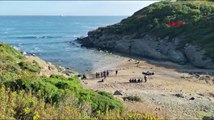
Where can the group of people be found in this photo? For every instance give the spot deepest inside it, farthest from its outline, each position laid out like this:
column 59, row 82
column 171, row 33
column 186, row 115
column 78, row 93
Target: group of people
column 134, row 80
column 102, row 74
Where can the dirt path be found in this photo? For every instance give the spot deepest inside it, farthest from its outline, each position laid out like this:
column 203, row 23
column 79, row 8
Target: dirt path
column 167, row 94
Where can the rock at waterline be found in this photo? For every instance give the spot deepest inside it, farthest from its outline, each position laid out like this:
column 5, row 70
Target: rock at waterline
column 117, row 93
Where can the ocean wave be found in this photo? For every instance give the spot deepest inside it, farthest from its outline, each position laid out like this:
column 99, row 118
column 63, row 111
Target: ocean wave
column 74, row 43
column 36, row 43
column 37, row 37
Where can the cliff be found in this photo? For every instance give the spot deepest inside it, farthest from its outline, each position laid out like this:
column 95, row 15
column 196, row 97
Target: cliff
column 147, row 34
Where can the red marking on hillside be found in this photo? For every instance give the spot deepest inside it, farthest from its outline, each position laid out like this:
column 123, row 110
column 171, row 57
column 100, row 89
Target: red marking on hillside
column 172, row 23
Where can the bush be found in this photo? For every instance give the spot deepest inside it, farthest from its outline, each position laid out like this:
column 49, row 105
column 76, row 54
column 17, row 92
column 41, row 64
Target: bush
column 34, row 67
column 23, row 105
column 54, row 90
column 106, row 94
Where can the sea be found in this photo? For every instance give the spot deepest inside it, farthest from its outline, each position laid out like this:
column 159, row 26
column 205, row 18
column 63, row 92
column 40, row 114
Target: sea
column 52, row 38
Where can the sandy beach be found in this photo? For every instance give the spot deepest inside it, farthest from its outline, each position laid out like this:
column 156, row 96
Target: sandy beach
column 174, row 91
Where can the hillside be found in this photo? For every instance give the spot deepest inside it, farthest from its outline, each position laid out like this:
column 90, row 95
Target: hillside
column 27, row 94
column 147, row 34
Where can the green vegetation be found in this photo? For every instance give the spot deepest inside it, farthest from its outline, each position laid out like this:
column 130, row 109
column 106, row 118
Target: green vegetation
column 55, row 88
column 31, row 67
column 27, row 95
column 14, row 65
column 153, row 20
column 24, row 105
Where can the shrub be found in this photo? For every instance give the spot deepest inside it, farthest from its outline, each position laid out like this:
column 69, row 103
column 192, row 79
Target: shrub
column 54, row 91
column 34, row 67
column 23, row 105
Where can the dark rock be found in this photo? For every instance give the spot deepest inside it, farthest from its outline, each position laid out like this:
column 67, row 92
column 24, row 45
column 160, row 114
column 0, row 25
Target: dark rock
column 179, row 95
column 208, row 118
column 192, row 98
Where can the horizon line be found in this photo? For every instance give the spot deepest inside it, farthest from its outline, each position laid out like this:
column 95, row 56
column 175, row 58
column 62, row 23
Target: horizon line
column 70, row 15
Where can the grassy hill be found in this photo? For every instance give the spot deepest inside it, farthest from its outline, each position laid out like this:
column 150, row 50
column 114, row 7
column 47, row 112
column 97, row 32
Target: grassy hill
column 27, row 95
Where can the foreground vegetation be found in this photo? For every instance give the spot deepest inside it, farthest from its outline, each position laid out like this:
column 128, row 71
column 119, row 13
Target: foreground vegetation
column 24, row 105
column 27, row 95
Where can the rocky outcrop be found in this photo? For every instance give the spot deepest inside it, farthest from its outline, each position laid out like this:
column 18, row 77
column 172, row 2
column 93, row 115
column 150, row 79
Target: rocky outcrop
column 197, row 57
column 48, row 69
column 145, row 36
column 150, row 47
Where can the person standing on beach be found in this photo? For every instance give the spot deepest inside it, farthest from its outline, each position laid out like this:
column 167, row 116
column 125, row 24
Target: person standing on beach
column 107, row 73
column 101, row 74
column 104, row 74
column 145, row 78
column 97, row 75
column 116, row 72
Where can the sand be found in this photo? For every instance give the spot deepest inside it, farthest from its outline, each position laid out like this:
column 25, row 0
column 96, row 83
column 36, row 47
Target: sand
column 170, row 93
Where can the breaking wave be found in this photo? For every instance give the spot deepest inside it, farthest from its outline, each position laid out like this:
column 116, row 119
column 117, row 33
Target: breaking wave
column 38, row 37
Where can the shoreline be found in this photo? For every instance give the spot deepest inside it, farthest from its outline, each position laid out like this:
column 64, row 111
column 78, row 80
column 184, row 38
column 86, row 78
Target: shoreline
column 166, row 64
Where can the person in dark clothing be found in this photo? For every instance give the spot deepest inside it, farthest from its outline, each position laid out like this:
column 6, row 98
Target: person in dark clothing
column 105, row 76
column 84, row 76
column 49, row 67
column 116, row 72
column 101, row 74
column 104, row 73
column 107, row 73
column 132, row 80
column 145, row 78
column 96, row 75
